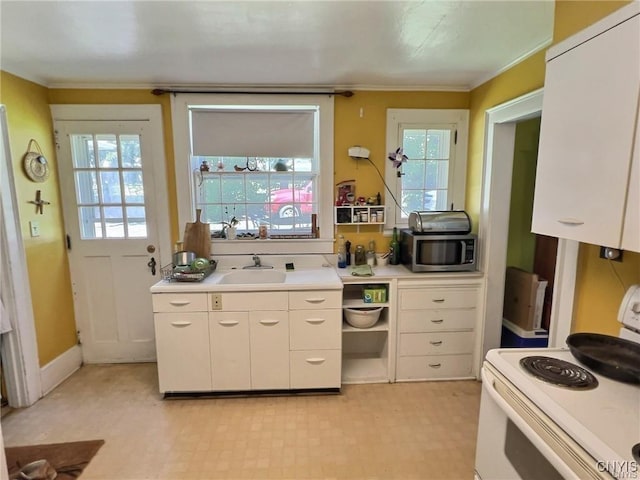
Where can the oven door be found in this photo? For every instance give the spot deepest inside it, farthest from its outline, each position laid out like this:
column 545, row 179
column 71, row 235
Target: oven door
column 516, row 440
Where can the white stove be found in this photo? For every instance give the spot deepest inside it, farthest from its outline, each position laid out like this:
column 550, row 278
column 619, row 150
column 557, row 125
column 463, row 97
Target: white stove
column 530, row 428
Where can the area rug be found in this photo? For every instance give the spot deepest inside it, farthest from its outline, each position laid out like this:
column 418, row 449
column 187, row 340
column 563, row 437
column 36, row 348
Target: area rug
column 68, row 459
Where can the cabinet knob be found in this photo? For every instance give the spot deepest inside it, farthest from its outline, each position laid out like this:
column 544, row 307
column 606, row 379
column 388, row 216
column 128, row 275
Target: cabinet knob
column 571, row 221
column 435, row 365
column 437, row 320
column 179, row 303
column 438, row 300
column 181, row 324
column 436, row 343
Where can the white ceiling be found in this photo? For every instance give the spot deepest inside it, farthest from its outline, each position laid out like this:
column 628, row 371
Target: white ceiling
column 347, row 44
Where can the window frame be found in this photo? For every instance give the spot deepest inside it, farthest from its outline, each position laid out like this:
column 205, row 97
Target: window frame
column 426, row 118
column 180, row 105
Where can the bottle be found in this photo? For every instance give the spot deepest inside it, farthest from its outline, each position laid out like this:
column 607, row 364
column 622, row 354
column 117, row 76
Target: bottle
column 360, row 255
column 342, row 253
column 348, row 255
column 394, row 258
column 378, row 199
column 371, row 254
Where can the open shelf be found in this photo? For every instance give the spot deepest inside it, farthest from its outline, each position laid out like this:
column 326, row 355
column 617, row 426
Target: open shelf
column 359, row 215
column 381, row 326
column 364, row 368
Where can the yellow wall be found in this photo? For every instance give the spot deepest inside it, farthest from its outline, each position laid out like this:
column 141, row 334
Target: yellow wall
column 29, row 117
column 598, row 290
column 370, row 131
column 522, row 243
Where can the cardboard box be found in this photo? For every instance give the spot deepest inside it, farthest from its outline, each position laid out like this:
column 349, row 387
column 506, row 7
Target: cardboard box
column 514, row 336
column 523, row 298
column 374, row 294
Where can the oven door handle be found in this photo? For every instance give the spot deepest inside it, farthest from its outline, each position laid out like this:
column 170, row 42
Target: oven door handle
column 559, row 464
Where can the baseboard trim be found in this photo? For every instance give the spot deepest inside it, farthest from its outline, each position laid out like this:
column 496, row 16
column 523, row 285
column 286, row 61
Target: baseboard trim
column 60, row 368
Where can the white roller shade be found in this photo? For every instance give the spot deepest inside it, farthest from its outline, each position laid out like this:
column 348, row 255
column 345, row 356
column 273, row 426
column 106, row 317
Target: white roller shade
column 252, row 133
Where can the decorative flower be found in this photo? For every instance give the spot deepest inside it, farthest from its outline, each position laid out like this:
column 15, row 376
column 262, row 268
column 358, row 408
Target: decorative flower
column 398, row 157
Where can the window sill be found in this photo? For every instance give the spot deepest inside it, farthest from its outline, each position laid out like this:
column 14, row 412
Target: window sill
column 272, row 246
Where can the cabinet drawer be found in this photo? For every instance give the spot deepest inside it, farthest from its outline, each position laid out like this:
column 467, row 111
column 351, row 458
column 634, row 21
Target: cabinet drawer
column 315, row 368
column 242, row 301
column 437, row 343
column 179, row 302
column 315, row 329
column 438, row 298
column 314, row 299
column 437, row 320
column 428, row 367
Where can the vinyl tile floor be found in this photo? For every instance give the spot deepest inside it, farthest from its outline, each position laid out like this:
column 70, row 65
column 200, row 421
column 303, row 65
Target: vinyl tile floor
column 421, row 430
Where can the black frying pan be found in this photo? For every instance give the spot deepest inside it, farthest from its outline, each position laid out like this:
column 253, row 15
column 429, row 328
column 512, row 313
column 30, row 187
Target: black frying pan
column 612, row 357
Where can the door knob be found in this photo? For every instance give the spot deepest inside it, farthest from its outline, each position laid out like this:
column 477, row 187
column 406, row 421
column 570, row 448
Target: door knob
column 151, row 248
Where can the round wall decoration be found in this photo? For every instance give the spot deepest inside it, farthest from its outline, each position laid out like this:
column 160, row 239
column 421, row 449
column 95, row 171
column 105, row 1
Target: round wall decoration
column 35, row 164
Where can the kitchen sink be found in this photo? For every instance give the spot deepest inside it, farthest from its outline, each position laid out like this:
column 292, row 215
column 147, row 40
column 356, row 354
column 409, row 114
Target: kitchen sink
column 253, row 276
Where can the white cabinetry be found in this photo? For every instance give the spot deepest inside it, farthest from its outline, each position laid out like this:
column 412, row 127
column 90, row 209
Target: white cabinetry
column 314, row 338
column 182, row 342
column 587, row 134
column 368, row 353
column 292, row 340
column 230, row 357
column 269, row 346
column 436, row 330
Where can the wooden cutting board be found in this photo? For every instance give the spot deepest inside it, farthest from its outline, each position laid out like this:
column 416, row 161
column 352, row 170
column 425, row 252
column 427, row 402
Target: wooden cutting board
column 197, row 237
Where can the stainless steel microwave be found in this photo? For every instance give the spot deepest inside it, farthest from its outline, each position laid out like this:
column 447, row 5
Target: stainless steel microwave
column 438, row 253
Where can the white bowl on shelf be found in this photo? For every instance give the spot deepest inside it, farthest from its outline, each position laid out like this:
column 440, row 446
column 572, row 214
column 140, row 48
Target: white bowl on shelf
column 362, row 317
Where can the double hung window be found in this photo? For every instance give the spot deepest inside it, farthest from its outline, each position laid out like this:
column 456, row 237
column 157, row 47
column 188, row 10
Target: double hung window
column 255, row 161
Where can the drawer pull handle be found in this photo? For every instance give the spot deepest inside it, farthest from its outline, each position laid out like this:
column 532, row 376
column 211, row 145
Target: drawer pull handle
column 269, row 322
column 435, row 365
column 179, row 303
column 438, row 300
column 315, row 361
column 315, row 300
column 571, row 221
column 438, row 320
column 437, row 343
column 181, row 324
column 315, row 321
column 228, row 323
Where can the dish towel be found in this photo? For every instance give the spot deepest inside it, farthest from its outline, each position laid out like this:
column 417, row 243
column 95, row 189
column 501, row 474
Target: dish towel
column 362, row 271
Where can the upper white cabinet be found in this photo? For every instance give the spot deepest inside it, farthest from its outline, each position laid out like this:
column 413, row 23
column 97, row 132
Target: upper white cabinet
column 587, row 136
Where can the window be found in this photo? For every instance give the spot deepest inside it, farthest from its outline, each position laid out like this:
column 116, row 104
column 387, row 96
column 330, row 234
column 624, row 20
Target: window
column 433, row 175
column 256, row 160
column 255, row 165
column 107, row 170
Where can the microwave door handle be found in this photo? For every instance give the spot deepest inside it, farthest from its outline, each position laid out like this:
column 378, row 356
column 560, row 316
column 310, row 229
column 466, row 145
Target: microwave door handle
column 463, row 253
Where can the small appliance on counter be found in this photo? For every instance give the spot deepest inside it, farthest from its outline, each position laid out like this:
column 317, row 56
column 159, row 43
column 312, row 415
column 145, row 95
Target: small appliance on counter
column 438, row 241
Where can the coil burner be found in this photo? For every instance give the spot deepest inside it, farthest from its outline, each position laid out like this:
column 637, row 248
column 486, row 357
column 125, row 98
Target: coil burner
column 559, row 372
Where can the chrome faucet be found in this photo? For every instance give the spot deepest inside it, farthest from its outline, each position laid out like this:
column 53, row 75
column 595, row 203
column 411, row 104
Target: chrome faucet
column 257, row 263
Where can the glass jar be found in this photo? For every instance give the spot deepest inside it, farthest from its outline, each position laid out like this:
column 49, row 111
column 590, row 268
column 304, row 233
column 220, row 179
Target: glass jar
column 360, row 256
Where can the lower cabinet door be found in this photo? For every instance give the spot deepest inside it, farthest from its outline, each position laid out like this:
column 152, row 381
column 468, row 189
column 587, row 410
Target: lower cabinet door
column 269, row 339
column 230, row 360
column 182, row 345
column 315, row 368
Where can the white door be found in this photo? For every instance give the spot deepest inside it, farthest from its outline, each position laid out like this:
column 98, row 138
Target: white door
column 107, row 182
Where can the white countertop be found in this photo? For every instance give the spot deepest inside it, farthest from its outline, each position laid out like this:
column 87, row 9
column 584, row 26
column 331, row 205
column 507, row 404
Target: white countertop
column 310, row 272
column 400, row 272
